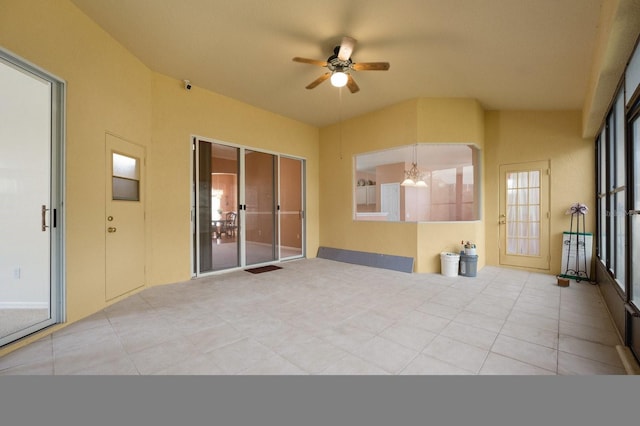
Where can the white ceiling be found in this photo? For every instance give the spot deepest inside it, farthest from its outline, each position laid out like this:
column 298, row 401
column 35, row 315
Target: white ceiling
column 508, row 54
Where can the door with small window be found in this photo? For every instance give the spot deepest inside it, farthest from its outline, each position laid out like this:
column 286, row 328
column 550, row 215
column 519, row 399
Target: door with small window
column 524, row 215
column 124, row 217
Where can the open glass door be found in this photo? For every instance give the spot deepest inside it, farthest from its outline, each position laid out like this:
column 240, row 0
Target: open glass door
column 31, row 109
column 217, row 207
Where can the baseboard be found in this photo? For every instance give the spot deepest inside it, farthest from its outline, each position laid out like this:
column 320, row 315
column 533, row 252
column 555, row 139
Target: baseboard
column 376, row 260
column 628, row 360
column 24, row 305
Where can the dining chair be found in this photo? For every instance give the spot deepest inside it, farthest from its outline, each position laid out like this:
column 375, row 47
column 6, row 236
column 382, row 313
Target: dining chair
column 230, row 224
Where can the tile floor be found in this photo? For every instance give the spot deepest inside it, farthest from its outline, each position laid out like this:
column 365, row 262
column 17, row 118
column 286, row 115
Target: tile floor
column 317, row 316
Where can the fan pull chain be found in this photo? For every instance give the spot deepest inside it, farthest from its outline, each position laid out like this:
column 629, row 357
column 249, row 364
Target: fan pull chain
column 340, row 119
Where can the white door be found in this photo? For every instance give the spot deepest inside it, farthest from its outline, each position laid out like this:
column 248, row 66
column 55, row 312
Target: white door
column 390, row 200
column 30, row 283
column 124, row 217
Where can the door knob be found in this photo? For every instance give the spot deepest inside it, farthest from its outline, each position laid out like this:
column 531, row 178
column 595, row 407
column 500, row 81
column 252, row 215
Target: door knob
column 111, row 229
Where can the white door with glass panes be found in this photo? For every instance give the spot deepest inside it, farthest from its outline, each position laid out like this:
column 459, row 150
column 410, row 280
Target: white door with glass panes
column 524, row 215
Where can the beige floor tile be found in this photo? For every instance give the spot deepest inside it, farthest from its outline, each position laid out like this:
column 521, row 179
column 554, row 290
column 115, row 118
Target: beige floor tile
column 427, row 322
column 586, row 332
column 347, row 337
column 604, row 323
column 194, row 365
column 410, row 336
column 428, row 365
column 496, row 364
column 313, row 356
column 215, row 337
column 239, row 356
column 386, row 354
column 40, row 350
column 317, row 316
column 274, row 365
column 570, row 364
column 438, row 310
column 530, row 353
column 533, row 320
column 156, row 358
column 591, row 350
column 353, row 365
column 535, row 335
column 94, row 360
column 371, row 321
column 459, row 354
column 454, row 297
column 35, row 368
column 465, row 333
column 531, row 307
column 480, row 320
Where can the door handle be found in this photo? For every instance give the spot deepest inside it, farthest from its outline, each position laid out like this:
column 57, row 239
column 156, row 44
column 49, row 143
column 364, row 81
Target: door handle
column 111, row 229
column 44, row 218
column 502, row 220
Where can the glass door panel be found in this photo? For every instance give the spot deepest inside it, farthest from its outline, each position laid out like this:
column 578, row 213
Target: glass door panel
column 29, row 234
column 218, row 243
column 260, row 200
column 635, row 213
column 291, row 207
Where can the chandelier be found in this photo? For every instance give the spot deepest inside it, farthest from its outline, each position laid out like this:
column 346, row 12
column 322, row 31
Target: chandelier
column 413, row 176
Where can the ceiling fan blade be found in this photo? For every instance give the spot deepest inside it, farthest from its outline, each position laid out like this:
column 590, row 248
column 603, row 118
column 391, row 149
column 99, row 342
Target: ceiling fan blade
column 346, row 48
column 319, row 80
column 351, row 84
column 310, row 61
column 371, row 66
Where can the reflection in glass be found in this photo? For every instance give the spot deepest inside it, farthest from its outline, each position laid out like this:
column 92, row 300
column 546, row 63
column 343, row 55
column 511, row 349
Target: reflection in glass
column 451, row 174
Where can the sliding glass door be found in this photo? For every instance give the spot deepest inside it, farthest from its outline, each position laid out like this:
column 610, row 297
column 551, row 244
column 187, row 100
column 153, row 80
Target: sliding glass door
column 238, row 199
column 261, row 245
column 633, row 304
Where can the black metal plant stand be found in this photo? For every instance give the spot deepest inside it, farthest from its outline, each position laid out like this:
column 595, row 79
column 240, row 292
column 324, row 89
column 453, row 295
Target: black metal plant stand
column 577, row 213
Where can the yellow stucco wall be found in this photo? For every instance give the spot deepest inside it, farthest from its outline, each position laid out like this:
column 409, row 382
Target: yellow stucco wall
column 413, row 121
column 110, row 90
column 177, row 115
column 522, row 136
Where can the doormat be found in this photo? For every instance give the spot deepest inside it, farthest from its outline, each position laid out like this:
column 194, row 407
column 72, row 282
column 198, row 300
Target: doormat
column 262, row 269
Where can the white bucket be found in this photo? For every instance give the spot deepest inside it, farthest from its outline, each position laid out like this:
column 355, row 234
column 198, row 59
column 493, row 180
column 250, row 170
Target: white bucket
column 449, row 263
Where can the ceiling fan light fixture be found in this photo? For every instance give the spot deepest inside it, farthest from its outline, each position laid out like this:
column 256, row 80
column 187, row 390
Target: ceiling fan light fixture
column 339, row 79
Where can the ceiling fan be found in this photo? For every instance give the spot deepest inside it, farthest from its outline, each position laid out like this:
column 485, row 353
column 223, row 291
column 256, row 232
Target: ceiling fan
column 340, row 65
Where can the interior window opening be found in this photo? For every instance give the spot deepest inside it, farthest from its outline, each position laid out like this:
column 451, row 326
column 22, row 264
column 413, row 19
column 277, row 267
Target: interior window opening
column 418, row 183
